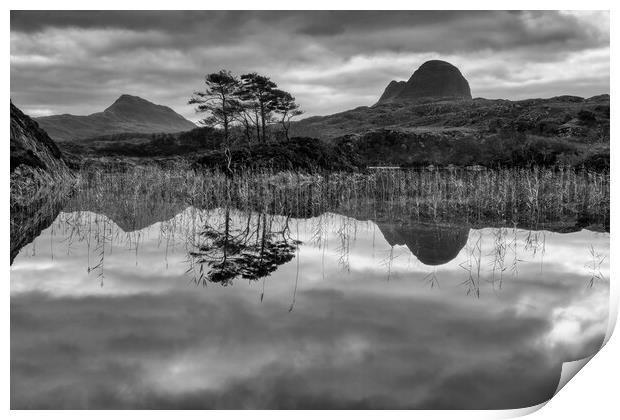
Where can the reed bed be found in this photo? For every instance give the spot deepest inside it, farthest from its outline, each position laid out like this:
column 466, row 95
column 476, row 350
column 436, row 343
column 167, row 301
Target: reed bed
column 138, row 197
column 531, row 197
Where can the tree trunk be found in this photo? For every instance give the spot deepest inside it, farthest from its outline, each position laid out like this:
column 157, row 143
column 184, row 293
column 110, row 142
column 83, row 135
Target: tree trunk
column 225, row 116
column 262, row 120
column 258, row 139
column 247, row 132
column 285, row 129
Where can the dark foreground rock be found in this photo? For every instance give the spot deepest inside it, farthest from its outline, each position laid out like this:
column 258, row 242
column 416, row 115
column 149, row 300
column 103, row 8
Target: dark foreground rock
column 36, row 162
column 40, row 180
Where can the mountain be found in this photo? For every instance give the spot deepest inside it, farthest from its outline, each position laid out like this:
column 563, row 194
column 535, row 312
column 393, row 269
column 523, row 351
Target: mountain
column 432, row 119
column 434, row 79
column 436, row 102
column 128, row 114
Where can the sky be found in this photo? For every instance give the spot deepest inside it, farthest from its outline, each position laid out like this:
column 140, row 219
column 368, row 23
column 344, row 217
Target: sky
column 79, row 62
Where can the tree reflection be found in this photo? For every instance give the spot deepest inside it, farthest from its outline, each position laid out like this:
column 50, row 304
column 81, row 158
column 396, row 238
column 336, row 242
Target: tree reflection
column 251, row 249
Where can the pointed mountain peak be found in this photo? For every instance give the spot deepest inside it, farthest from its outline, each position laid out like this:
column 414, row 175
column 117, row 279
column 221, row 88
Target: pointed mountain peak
column 139, row 109
column 131, row 100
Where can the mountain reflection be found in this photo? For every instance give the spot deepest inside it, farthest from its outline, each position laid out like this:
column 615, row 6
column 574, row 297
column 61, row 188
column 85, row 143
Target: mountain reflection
column 431, row 244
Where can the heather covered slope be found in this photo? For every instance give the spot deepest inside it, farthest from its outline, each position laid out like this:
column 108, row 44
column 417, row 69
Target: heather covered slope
column 128, row 114
column 562, row 116
column 560, row 130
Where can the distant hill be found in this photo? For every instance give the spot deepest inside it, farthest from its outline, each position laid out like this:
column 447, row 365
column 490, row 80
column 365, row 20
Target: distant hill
column 128, row 114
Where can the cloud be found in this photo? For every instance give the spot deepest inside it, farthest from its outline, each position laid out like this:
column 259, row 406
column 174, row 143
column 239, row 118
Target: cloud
column 79, row 62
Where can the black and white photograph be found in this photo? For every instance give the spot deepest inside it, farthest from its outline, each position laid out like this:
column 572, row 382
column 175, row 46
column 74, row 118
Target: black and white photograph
column 306, row 209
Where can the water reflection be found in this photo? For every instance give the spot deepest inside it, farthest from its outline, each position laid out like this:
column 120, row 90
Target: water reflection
column 252, row 248
column 431, row 244
column 390, row 314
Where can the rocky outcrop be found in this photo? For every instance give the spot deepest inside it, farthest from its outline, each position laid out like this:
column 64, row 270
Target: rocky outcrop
column 40, row 180
column 434, row 79
column 128, row 114
column 36, row 161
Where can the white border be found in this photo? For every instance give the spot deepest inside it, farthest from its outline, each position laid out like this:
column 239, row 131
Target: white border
column 592, row 394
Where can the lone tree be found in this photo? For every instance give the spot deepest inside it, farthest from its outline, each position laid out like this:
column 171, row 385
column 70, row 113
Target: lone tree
column 218, row 100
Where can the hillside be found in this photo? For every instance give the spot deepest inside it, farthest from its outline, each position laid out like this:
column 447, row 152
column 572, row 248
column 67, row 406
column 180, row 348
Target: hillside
column 562, row 116
column 437, row 101
column 492, row 133
column 484, row 132
column 128, row 114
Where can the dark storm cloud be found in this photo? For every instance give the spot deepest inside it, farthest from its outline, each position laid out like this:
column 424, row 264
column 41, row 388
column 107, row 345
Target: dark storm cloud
column 490, row 29
column 80, row 61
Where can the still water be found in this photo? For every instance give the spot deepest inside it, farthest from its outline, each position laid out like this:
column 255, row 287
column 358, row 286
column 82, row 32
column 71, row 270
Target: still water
column 228, row 309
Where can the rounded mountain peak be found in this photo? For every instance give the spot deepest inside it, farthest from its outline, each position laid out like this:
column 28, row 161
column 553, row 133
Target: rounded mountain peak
column 437, row 79
column 434, row 79
column 436, row 64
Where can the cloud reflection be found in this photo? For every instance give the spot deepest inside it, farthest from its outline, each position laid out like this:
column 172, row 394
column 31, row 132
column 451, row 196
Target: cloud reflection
column 357, row 338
